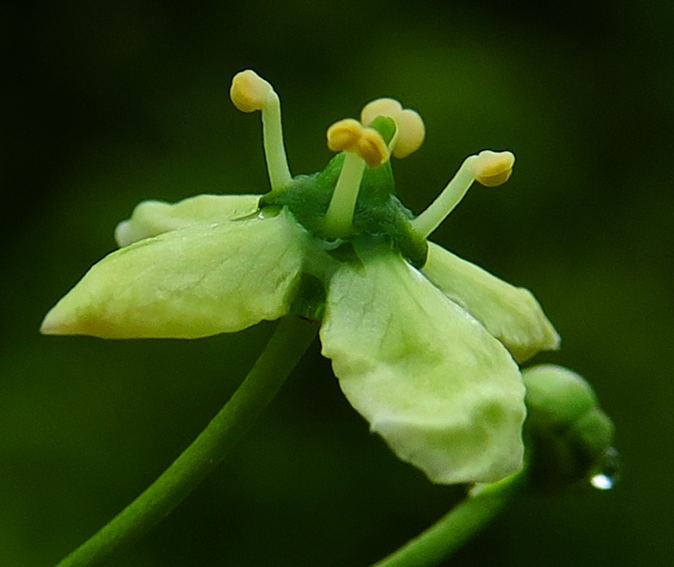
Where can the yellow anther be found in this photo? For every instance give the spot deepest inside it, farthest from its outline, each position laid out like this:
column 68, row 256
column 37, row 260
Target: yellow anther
column 372, row 148
column 411, row 133
column 381, row 107
column 344, row 135
column 411, row 130
column 249, row 91
column 349, row 135
column 493, row 168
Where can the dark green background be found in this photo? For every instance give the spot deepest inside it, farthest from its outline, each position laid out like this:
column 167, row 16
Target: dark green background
column 104, row 104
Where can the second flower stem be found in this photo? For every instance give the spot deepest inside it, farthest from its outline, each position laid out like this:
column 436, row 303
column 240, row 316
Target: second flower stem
column 284, row 350
column 458, row 526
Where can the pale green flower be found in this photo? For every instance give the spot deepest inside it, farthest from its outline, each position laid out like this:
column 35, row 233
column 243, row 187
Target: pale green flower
column 422, row 341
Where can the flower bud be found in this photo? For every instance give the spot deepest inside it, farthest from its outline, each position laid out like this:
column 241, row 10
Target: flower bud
column 570, row 436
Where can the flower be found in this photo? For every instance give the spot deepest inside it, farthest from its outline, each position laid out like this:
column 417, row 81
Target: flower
column 423, row 343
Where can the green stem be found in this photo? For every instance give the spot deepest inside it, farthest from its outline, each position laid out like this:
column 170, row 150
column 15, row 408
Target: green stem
column 284, row 350
column 456, row 527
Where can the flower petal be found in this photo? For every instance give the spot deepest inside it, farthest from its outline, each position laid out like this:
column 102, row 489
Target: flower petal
column 444, row 394
column 151, row 218
column 510, row 313
column 206, row 279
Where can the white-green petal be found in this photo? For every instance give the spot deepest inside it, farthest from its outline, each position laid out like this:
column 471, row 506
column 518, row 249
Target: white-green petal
column 203, row 280
column 151, row 218
column 510, row 313
column 444, row 394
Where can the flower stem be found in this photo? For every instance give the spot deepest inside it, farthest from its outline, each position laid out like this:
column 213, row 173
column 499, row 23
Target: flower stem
column 284, row 350
column 456, row 527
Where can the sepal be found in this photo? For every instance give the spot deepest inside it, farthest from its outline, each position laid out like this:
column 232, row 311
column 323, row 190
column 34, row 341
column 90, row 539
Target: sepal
column 510, row 313
column 151, row 218
column 202, row 280
column 444, row 394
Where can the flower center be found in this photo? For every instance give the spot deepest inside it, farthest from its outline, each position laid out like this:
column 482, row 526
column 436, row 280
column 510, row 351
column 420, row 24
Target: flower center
column 364, row 147
column 353, row 198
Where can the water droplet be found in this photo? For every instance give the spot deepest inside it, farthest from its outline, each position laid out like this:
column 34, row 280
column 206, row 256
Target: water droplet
column 607, row 472
column 602, row 482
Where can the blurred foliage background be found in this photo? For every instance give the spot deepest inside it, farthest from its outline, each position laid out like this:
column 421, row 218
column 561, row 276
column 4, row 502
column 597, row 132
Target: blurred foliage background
column 104, row 104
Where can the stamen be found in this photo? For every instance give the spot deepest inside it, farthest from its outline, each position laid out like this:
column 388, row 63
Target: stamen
column 493, row 168
column 361, row 145
column 349, row 135
column 411, row 130
column 344, row 135
column 249, row 93
column 488, row 168
column 372, row 148
column 380, row 107
column 339, row 217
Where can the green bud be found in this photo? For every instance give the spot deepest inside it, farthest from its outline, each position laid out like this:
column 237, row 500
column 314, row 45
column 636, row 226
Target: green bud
column 570, row 437
column 557, row 396
column 593, row 432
